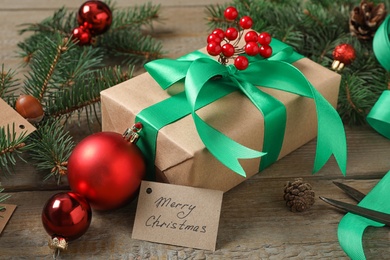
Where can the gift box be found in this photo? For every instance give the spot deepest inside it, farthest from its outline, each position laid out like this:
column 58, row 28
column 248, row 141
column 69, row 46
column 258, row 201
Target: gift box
column 181, row 156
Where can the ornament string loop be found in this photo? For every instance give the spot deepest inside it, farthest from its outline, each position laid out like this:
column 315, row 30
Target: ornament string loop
column 197, row 69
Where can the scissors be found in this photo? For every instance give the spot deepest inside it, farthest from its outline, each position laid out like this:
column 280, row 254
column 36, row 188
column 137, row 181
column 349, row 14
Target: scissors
column 378, row 216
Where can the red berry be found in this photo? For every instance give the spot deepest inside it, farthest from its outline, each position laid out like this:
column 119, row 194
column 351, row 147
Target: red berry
column 251, row 36
column 227, row 50
column 246, row 22
column 214, row 48
column 213, row 38
column 83, row 35
column 231, row 13
column 265, row 51
column 231, row 33
column 264, row 38
column 241, row 62
column 251, row 48
column 219, row 32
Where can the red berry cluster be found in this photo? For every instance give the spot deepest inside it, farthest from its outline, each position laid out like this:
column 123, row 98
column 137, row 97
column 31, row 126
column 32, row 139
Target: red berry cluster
column 224, row 43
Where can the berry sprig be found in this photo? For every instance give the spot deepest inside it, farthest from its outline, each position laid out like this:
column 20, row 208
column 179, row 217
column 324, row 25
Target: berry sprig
column 224, row 43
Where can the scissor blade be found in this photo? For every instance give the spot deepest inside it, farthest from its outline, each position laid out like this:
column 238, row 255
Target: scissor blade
column 355, row 194
column 364, row 212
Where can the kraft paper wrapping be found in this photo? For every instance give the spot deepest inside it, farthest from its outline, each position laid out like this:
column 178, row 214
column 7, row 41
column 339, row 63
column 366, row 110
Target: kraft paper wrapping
column 181, row 157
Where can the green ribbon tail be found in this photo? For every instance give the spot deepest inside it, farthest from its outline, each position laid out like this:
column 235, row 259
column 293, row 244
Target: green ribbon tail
column 226, row 150
column 275, row 117
column 381, row 43
column 331, row 139
column 351, row 226
column 379, row 116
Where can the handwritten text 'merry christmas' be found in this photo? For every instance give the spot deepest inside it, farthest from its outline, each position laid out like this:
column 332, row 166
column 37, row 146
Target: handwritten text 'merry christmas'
column 182, row 212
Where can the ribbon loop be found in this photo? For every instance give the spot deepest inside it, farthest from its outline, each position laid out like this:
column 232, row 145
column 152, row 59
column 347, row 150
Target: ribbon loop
column 201, row 73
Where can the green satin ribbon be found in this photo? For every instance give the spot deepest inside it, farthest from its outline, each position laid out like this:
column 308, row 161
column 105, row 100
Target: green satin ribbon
column 351, row 226
column 379, row 116
column 206, row 80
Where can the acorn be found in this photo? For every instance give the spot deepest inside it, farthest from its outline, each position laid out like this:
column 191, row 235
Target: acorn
column 29, row 108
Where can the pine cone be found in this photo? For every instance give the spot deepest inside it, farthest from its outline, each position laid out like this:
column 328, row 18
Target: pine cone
column 298, row 195
column 366, row 18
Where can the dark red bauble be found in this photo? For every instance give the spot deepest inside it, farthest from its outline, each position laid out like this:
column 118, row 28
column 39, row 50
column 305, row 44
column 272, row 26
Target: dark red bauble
column 344, row 53
column 66, row 215
column 96, row 16
column 106, row 169
column 82, row 35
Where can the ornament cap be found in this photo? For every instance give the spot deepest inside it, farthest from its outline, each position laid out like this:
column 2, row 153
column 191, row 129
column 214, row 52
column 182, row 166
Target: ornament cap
column 58, row 244
column 132, row 134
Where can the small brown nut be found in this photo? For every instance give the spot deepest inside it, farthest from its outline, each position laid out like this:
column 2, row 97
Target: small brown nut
column 30, row 108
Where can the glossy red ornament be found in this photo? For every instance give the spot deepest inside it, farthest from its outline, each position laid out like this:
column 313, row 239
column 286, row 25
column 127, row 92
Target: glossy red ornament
column 106, row 169
column 230, row 13
column 95, row 16
column 82, row 35
column 246, row 22
column 265, row 51
column 66, row 215
column 241, row 62
column 343, row 55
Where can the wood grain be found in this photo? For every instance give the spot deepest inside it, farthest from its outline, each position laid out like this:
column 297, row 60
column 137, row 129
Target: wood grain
column 254, row 223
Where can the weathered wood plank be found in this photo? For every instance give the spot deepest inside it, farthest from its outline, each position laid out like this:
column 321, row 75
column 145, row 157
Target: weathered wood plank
column 254, row 223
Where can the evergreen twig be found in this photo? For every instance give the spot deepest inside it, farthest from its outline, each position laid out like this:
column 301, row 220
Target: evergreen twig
column 314, row 28
column 51, row 147
column 3, row 197
column 11, row 147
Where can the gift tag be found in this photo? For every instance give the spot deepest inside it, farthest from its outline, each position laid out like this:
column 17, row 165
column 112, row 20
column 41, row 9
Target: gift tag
column 178, row 215
column 9, row 116
column 5, row 215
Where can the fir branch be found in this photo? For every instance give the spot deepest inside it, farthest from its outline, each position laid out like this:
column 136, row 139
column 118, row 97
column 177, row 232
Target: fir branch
column 134, row 17
column 61, row 22
column 3, row 197
column 8, row 84
column 51, row 147
column 314, row 28
column 135, row 48
column 85, row 92
column 11, row 147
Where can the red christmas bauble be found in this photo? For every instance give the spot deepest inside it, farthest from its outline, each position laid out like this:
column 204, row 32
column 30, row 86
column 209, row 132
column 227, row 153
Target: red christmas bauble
column 66, row 215
column 344, row 53
column 106, row 169
column 82, row 35
column 96, row 16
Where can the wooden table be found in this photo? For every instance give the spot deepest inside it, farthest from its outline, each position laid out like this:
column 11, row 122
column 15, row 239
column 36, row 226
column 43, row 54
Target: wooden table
column 254, row 223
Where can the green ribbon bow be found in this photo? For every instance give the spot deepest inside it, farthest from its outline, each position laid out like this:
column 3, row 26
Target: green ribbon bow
column 379, row 116
column 206, row 80
column 351, row 226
